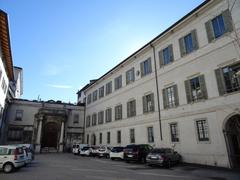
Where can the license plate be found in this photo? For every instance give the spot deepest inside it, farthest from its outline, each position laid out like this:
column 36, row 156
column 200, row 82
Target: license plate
column 153, row 157
column 130, row 155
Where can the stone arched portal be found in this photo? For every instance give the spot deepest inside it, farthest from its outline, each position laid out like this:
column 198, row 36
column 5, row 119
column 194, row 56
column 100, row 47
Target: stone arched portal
column 232, row 136
column 50, row 135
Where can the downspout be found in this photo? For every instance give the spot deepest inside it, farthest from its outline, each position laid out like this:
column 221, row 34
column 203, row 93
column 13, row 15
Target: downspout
column 83, row 141
column 158, row 100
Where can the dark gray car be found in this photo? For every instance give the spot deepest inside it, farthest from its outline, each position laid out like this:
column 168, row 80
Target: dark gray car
column 163, row 157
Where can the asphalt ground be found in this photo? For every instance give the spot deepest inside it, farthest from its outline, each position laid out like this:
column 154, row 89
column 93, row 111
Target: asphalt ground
column 70, row 167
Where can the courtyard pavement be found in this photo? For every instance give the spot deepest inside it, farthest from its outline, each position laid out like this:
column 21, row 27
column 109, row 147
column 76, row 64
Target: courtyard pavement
column 69, row 167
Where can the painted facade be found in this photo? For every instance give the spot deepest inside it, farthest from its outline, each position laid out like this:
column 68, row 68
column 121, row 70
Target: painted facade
column 180, row 90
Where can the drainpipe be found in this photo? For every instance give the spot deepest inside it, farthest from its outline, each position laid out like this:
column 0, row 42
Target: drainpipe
column 84, row 123
column 158, row 101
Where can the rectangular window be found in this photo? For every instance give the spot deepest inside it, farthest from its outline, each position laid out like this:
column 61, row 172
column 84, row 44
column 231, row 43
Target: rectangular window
column 130, row 76
column 94, row 95
column 170, row 97
column 88, row 139
column 188, row 43
column 174, row 132
column 228, row 79
column 148, row 103
column 108, row 115
column 100, row 138
column 119, row 137
column 88, row 121
column 19, row 115
column 94, row 119
column 118, row 82
column 118, row 112
column 100, row 117
column 76, row 119
column 202, row 130
column 15, row 134
column 132, row 136
column 150, row 134
column 219, row 25
column 101, row 92
column 146, row 67
column 109, row 88
column 108, row 137
column 131, row 108
column 166, row 55
column 196, row 89
column 89, row 99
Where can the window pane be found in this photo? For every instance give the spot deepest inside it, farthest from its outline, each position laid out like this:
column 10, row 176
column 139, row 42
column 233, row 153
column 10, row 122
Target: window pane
column 188, row 43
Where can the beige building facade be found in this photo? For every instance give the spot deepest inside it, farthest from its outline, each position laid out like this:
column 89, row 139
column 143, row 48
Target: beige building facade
column 180, row 90
column 50, row 126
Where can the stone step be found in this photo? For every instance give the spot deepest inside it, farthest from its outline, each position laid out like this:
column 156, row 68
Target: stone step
column 49, row 150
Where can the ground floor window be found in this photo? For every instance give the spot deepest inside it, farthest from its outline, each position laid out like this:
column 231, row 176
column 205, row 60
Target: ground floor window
column 108, row 137
column 15, row 134
column 132, row 136
column 202, row 130
column 174, row 132
column 150, row 134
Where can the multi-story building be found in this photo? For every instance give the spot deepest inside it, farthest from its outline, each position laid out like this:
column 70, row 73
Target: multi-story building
column 6, row 67
column 48, row 125
column 180, row 90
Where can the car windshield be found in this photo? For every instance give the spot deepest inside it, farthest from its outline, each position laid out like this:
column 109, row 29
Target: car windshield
column 131, row 148
column 85, row 148
column 160, row 151
column 117, row 149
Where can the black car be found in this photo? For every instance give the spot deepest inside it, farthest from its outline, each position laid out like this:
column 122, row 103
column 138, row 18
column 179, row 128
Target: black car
column 136, row 152
column 163, row 157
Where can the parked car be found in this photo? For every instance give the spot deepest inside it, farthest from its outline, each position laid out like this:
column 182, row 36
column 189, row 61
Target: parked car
column 94, row 151
column 103, row 151
column 11, row 157
column 86, row 151
column 28, row 152
column 137, row 152
column 77, row 147
column 163, row 157
column 116, row 153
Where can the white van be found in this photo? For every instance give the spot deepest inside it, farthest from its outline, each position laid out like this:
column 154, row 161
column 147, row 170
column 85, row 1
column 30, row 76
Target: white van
column 11, row 157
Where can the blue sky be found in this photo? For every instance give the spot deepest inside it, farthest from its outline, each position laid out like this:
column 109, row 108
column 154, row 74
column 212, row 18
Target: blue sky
column 62, row 44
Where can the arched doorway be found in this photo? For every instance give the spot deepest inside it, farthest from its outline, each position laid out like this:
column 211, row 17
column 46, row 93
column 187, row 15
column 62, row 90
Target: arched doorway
column 93, row 139
column 50, row 135
column 232, row 135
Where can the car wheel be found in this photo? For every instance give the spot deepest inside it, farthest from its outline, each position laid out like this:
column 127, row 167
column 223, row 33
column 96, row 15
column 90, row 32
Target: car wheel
column 168, row 163
column 7, row 168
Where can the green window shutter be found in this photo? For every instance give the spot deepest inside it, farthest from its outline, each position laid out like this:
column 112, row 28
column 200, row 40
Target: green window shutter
column 142, row 69
column 182, row 47
column 110, row 114
column 150, row 64
column 194, row 38
column 128, row 109
column 171, row 52
column 209, row 29
column 176, row 95
column 152, row 101
column 188, row 91
column 203, row 87
column 120, row 113
column 228, row 23
column 134, row 107
column 144, row 99
column 165, row 104
column 220, row 82
column 160, row 54
column 116, row 113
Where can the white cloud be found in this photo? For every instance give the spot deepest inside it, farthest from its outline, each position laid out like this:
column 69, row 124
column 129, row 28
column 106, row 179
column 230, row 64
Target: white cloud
column 55, row 69
column 59, row 86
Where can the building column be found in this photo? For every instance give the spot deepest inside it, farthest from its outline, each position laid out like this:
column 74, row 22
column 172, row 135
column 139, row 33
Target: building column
column 61, row 138
column 39, row 134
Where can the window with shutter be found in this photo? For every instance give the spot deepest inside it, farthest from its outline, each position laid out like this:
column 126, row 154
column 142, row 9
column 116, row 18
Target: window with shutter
column 228, row 79
column 219, row 25
column 118, row 82
column 196, row 89
column 131, row 108
column 146, row 67
column 148, row 103
column 100, row 117
column 170, row 97
column 188, row 43
column 166, row 56
column 118, row 112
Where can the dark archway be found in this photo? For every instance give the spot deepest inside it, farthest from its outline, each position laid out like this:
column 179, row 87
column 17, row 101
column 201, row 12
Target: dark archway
column 93, row 139
column 232, row 134
column 50, row 135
